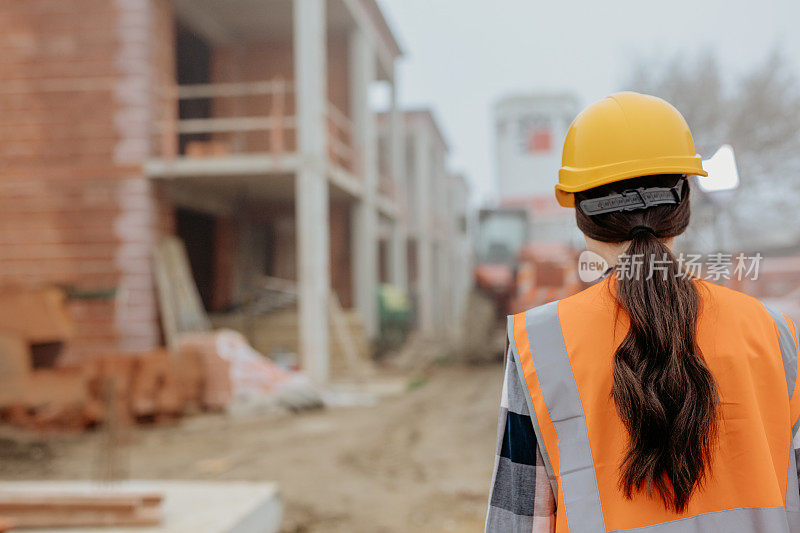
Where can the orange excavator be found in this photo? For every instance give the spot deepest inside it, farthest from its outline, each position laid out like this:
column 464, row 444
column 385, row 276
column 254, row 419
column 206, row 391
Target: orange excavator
column 511, row 274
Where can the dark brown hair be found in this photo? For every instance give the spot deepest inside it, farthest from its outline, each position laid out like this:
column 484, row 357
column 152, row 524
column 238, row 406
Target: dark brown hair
column 664, row 392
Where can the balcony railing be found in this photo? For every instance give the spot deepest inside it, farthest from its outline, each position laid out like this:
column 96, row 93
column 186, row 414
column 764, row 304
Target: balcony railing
column 340, row 139
column 220, row 119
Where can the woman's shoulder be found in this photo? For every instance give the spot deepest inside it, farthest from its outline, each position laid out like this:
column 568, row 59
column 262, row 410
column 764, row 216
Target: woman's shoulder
column 598, row 299
column 593, row 296
column 735, row 312
column 729, row 298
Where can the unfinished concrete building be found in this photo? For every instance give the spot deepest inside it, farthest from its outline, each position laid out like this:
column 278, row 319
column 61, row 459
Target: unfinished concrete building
column 438, row 266
column 241, row 126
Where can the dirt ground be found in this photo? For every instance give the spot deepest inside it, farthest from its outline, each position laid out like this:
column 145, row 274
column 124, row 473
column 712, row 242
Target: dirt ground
column 418, row 461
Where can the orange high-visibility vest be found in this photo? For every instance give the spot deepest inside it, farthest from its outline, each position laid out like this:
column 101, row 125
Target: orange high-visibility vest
column 565, row 355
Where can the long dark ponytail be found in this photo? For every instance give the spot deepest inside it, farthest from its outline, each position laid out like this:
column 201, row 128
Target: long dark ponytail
column 663, row 390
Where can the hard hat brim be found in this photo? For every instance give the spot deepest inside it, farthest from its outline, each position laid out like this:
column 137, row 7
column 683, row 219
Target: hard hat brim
column 565, row 193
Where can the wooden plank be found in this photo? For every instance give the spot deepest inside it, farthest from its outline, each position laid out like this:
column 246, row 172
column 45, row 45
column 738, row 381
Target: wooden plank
column 226, row 90
column 27, row 509
column 97, row 499
column 169, row 320
column 178, row 298
column 231, row 506
column 342, row 333
column 58, row 518
column 226, row 124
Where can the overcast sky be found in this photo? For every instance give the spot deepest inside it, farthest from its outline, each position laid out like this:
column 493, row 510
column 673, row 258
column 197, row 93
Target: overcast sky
column 462, row 55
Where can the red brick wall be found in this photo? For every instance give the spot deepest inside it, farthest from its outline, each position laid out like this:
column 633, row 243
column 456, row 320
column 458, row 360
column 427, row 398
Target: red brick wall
column 272, row 60
column 76, row 82
column 339, row 72
column 225, row 244
column 341, row 252
column 164, row 139
column 279, row 215
column 256, row 61
column 164, row 211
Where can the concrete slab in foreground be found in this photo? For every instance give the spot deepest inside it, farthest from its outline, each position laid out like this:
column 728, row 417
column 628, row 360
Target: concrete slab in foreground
column 188, row 506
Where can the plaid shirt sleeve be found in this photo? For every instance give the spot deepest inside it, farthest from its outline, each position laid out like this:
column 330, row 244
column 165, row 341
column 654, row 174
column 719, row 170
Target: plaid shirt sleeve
column 521, row 498
column 796, row 446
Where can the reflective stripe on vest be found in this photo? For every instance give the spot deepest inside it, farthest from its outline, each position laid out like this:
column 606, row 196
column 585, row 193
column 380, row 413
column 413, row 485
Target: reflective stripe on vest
column 544, row 366
column 786, row 340
column 788, row 350
column 788, row 353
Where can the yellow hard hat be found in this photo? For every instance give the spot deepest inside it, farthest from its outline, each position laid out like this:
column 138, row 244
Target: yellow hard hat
column 625, row 136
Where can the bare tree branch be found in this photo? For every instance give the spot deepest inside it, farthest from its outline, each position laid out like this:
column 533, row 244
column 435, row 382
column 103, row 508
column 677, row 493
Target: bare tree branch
column 757, row 113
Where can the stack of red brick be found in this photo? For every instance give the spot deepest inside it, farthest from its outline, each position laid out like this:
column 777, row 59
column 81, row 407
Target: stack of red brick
column 38, row 393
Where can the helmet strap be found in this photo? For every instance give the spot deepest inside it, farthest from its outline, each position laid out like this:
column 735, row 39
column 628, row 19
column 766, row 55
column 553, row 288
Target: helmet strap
column 633, row 199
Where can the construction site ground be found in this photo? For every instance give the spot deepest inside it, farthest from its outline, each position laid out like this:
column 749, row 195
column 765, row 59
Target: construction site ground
column 420, row 460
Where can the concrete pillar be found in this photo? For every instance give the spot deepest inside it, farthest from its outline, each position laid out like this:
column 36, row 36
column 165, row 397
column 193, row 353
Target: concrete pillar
column 424, row 175
column 311, row 186
column 445, row 286
column 452, row 242
column 398, row 253
column 365, row 216
column 455, row 268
